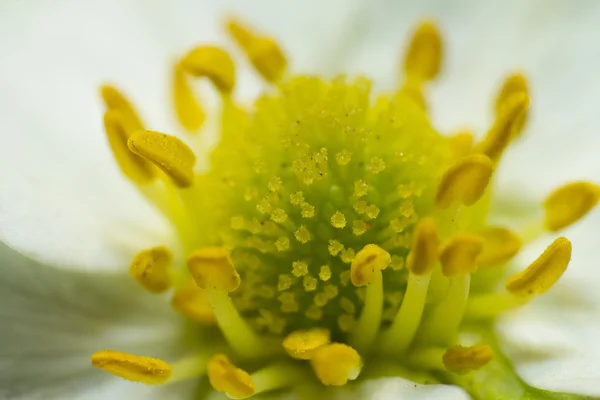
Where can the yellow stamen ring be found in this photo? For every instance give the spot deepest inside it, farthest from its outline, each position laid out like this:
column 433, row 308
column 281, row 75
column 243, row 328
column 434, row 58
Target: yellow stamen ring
column 460, row 360
column 544, row 272
column 569, row 203
column 191, row 301
column 424, row 250
column 302, row 345
column 369, row 260
column 188, row 110
column 335, row 364
column 424, row 55
column 458, row 256
column 499, row 246
column 213, row 63
column 151, row 269
column 465, row 181
column 212, row 268
column 150, row 371
column 229, row 379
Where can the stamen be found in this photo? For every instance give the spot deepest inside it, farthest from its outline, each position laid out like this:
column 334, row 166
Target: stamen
column 424, row 250
column 192, row 301
column 151, row 269
column 570, row 203
column 227, row 378
column 302, row 345
column 420, row 263
column 367, row 262
column 115, row 100
column 465, row 181
column 263, row 52
column 506, row 126
column 211, row 267
column 499, row 246
column 424, row 55
column 461, row 143
column 188, row 110
column 544, row 272
column 336, row 364
column 168, row 153
column 460, row 360
column 133, row 166
column 515, row 83
column 279, row 375
column 213, row 63
column 459, row 255
column 150, row 371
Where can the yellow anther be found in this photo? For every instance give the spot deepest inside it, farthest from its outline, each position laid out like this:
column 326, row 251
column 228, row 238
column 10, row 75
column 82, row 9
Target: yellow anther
column 213, row 63
column 188, row 110
column 335, row 364
column 499, row 246
column 263, row 52
column 302, row 345
column 465, row 181
column 424, row 251
column 369, row 260
column 115, row 100
column 461, row 143
column 569, row 203
column 515, row 83
column 459, row 255
column 508, row 122
column 229, row 379
column 150, row 371
column 150, row 268
column 212, row 268
column 133, row 166
column 424, row 55
column 543, row 272
column 191, row 301
column 460, row 360
column 167, row 152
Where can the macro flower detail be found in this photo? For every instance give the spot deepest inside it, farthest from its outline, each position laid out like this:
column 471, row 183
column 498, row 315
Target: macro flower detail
column 336, row 234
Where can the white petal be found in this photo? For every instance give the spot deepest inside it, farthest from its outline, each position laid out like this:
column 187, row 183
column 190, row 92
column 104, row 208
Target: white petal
column 398, row 388
column 54, row 320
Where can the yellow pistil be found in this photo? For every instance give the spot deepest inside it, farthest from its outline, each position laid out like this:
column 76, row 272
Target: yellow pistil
column 424, row 249
column 150, row 371
column 460, row 360
column 370, row 260
column 335, row 364
column 133, row 166
column 168, row 153
column 569, row 203
column 229, row 379
column 508, row 122
column 459, row 255
column 303, row 344
column 115, row 100
column 190, row 300
column 499, row 246
column 465, row 181
column 188, row 109
column 151, row 269
column 263, row 52
column 211, row 267
column 543, row 273
column 213, row 63
column 424, row 55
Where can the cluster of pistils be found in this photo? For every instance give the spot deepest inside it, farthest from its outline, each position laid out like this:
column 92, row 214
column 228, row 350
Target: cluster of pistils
column 331, row 227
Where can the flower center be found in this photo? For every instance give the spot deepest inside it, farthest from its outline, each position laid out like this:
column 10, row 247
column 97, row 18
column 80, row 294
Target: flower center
column 331, row 224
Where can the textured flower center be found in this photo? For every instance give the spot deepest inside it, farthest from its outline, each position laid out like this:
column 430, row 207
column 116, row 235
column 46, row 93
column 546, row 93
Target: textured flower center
column 332, row 226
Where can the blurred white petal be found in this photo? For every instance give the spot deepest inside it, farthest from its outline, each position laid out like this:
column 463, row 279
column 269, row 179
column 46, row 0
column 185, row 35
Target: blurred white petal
column 398, row 388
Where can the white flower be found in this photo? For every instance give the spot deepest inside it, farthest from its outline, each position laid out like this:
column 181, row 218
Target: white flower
column 71, row 224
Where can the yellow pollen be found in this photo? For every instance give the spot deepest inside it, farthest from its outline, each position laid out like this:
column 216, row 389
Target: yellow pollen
column 459, row 255
column 515, row 83
column 465, row 181
column 150, row 371
column 303, row 345
column 508, row 122
column 543, row 273
column 569, row 203
column 424, row 250
column 115, row 100
column 263, row 52
column 499, row 246
column 424, row 55
column 460, row 360
column 168, row 153
column 335, row 364
column 369, row 260
column 191, row 301
column 213, row 63
column 151, row 268
column 212, row 268
column 229, row 379
column 133, row 166
column 188, row 110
